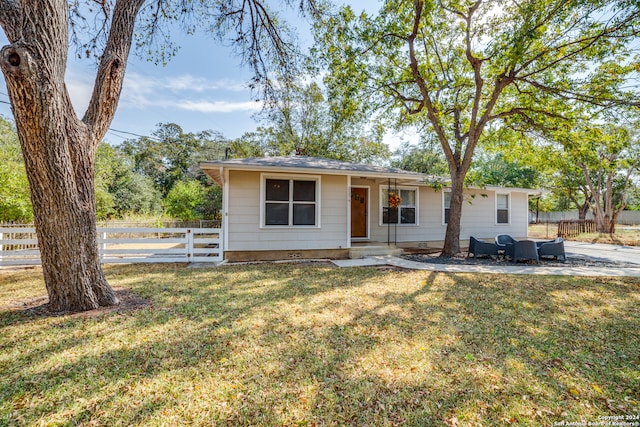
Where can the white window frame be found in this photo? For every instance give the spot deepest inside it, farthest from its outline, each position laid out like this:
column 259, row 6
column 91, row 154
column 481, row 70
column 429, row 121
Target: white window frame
column 290, row 178
column 444, row 206
column 381, row 191
column 508, row 209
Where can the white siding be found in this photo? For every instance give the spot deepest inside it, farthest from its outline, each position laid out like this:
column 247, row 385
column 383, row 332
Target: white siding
column 478, row 216
column 246, row 234
column 429, row 219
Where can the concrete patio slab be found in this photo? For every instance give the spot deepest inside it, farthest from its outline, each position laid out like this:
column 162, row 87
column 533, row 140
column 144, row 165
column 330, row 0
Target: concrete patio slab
column 497, row 269
column 576, row 250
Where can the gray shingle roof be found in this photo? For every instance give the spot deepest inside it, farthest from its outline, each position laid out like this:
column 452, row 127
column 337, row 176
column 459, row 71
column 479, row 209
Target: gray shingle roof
column 304, row 162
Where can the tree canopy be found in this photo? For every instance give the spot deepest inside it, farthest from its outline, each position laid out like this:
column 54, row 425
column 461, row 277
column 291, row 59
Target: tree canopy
column 456, row 67
column 15, row 203
column 605, row 157
column 302, row 120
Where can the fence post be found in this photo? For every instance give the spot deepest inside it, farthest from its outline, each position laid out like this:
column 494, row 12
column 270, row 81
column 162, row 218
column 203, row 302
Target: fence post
column 1, row 247
column 103, row 245
column 189, row 236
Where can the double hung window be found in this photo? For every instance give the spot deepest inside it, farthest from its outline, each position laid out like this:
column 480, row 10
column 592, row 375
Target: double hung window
column 502, row 209
column 446, row 206
column 290, row 202
column 399, row 206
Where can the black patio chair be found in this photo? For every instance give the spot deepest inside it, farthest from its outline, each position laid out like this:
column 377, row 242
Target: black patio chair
column 480, row 247
column 504, row 240
column 553, row 248
column 522, row 250
column 542, row 242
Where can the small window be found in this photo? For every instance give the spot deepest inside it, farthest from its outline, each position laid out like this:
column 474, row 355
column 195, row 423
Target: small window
column 502, row 208
column 399, row 206
column 290, row 202
column 446, row 204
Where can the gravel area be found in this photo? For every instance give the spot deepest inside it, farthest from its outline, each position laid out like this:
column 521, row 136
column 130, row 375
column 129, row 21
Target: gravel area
column 434, row 258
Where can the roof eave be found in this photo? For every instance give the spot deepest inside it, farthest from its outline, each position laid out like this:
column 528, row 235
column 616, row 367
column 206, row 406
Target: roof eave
column 209, row 165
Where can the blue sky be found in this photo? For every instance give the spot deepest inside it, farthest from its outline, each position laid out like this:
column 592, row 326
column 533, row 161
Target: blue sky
column 202, row 88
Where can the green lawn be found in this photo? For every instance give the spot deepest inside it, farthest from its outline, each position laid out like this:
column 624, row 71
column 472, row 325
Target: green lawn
column 299, row 344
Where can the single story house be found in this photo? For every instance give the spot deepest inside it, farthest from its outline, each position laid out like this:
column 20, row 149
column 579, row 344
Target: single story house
column 305, row 207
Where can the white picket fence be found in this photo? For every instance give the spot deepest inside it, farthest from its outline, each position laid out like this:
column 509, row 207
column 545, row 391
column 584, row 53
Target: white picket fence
column 19, row 246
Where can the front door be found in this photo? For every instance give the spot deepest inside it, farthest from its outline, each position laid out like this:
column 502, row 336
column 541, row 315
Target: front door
column 359, row 214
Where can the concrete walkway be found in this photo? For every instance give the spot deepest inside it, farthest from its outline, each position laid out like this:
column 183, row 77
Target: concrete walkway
column 576, row 250
column 602, row 252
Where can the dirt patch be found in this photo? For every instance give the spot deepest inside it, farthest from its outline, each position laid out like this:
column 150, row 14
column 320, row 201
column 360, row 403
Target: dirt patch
column 39, row 306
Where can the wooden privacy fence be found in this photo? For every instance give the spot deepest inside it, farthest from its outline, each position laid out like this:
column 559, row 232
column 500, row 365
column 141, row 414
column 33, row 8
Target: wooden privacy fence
column 19, row 246
column 575, row 227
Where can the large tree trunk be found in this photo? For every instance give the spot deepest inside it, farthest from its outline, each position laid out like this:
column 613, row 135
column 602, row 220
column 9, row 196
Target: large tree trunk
column 604, row 213
column 61, row 175
column 582, row 210
column 452, row 236
column 59, row 148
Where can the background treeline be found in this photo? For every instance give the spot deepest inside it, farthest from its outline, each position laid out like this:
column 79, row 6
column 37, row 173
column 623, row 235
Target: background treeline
column 144, row 177
column 158, row 175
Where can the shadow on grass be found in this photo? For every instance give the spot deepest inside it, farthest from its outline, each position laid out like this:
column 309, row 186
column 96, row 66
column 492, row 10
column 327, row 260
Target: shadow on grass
column 287, row 344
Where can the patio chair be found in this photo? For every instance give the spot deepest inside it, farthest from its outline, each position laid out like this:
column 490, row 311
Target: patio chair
column 504, row 240
column 553, row 248
column 522, row 250
column 542, row 242
column 480, row 247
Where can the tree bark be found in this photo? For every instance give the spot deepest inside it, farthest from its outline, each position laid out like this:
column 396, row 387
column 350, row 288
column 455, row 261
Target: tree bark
column 582, row 211
column 58, row 148
column 451, row 245
column 604, row 214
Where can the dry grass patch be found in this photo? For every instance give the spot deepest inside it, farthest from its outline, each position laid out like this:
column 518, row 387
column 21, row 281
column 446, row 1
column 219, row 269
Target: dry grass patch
column 629, row 236
column 313, row 345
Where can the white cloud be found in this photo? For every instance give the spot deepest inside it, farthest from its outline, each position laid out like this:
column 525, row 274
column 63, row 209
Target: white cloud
column 142, row 91
column 219, row 106
column 200, row 84
column 80, row 88
column 140, row 83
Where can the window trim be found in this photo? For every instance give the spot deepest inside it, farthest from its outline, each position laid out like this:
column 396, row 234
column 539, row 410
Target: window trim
column 444, row 208
column 291, row 178
column 381, row 190
column 508, row 208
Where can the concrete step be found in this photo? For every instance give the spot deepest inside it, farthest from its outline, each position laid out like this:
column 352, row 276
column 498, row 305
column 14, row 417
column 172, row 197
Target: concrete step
column 363, row 251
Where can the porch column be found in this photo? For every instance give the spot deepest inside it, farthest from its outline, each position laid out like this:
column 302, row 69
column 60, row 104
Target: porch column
column 348, row 211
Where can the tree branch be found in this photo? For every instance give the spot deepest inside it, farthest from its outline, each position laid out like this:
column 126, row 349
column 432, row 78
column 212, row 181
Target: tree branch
column 522, row 111
column 572, row 95
column 9, row 13
column 424, row 91
column 405, row 99
column 110, row 76
column 582, row 44
column 476, row 64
